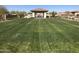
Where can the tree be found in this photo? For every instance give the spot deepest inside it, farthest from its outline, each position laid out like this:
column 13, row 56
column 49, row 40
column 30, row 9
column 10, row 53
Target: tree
column 21, row 13
column 3, row 12
column 53, row 14
column 18, row 13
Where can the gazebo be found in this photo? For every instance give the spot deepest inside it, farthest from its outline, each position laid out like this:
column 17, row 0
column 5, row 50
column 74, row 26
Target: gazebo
column 39, row 13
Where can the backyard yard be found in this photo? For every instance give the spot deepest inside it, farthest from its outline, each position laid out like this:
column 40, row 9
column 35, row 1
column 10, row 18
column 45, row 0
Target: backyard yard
column 39, row 35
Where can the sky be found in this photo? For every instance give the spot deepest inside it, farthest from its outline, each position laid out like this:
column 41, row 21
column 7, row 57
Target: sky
column 57, row 8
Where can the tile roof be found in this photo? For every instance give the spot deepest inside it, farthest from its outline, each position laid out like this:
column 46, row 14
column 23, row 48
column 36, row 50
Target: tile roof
column 39, row 9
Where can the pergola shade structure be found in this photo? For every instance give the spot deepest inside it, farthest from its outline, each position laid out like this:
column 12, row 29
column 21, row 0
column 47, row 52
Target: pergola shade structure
column 39, row 13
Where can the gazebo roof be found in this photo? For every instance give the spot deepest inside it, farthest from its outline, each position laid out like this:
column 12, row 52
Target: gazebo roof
column 71, row 11
column 39, row 10
column 74, row 11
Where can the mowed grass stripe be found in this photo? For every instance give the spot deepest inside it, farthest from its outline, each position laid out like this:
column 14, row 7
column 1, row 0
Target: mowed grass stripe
column 59, row 34
column 30, row 37
column 39, row 35
column 44, row 35
column 9, row 33
column 35, row 44
column 8, row 23
column 9, row 26
column 67, row 39
column 69, row 29
column 14, row 40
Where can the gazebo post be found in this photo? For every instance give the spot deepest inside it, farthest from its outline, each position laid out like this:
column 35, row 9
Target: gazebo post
column 44, row 14
column 33, row 14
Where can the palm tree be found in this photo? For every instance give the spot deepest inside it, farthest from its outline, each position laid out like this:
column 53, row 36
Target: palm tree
column 3, row 12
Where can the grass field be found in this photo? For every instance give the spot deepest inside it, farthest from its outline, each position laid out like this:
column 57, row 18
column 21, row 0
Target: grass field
column 39, row 35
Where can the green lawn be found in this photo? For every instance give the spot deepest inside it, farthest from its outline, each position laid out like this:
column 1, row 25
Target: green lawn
column 39, row 35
